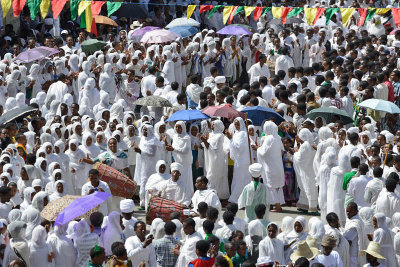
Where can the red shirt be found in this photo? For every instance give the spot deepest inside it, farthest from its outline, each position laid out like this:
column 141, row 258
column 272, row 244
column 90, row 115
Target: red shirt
column 390, row 91
column 202, row 262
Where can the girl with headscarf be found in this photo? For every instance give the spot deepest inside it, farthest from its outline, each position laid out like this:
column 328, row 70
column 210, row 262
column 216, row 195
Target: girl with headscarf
column 316, row 229
column 168, row 70
column 41, row 169
column 130, row 140
column 32, row 218
column 366, row 214
column 40, row 251
column 17, row 243
column 238, row 150
column 14, row 215
column 59, row 148
column 101, row 141
column 177, row 63
column 383, row 236
column 78, row 176
column 107, row 81
column 62, row 246
column 197, row 152
column 50, row 155
column 27, row 175
column 302, row 160
column 20, row 98
column 13, row 83
column 84, row 74
column 90, row 92
column 273, row 172
column 104, row 103
column 35, row 81
column 297, row 234
column 84, row 240
column 271, row 246
column 56, row 175
column 215, row 157
column 29, row 193
column 159, row 176
column 59, row 190
column 112, row 232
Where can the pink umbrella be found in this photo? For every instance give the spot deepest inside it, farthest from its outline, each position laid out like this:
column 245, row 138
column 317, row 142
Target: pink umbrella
column 394, row 31
column 138, row 34
column 225, row 111
column 37, row 53
column 159, row 36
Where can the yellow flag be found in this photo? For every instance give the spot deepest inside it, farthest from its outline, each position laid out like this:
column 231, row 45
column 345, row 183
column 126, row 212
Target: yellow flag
column 87, row 7
column 248, row 10
column 310, row 14
column 226, row 13
column 381, row 11
column 346, row 15
column 44, row 7
column 277, row 12
column 190, row 10
column 5, row 5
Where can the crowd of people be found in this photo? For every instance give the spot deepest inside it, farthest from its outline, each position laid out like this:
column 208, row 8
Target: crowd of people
column 343, row 171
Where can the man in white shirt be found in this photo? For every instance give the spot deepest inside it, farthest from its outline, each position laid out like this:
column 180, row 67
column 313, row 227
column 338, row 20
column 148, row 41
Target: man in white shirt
column 203, row 194
column 148, row 83
column 239, row 223
column 259, row 69
column 69, row 46
column 187, row 252
column 95, row 185
column 140, row 248
column 357, row 185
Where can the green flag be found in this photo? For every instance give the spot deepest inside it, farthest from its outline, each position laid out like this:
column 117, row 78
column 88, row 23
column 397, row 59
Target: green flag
column 239, row 9
column 112, row 7
column 212, row 11
column 266, row 10
column 329, row 13
column 295, row 11
column 34, row 7
column 370, row 14
column 83, row 20
column 74, row 8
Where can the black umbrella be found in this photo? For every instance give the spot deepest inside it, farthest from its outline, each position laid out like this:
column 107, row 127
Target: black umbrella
column 132, row 11
column 16, row 114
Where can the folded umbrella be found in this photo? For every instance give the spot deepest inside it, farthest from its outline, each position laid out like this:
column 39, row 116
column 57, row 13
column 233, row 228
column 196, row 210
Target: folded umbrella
column 328, row 113
column 159, row 36
column 259, row 114
column 234, row 30
column 188, row 115
column 153, row 101
column 183, row 22
column 184, row 31
column 381, row 105
column 80, row 206
column 37, row 53
column 225, row 111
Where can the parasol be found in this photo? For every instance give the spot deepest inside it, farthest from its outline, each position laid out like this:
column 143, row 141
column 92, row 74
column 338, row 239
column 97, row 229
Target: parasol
column 328, row 113
column 184, row 31
column 381, row 105
column 188, row 115
column 259, row 114
column 234, row 30
column 158, row 36
column 16, row 113
column 92, row 45
column 183, row 22
column 104, row 20
column 153, row 101
column 36, row 53
column 225, row 111
column 138, row 34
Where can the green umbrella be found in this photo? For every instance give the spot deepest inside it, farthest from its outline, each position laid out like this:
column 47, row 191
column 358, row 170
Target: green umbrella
column 328, row 112
column 92, row 45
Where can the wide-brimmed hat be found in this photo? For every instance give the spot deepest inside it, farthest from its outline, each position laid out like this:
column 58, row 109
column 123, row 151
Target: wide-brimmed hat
column 373, row 249
column 135, row 24
column 304, row 250
column 312, row 242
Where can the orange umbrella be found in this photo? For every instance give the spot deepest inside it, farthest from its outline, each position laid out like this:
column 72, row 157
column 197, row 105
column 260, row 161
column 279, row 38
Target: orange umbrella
column 105, row 20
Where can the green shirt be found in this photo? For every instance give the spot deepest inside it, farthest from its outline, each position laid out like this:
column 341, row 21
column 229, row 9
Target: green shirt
column 237, row 260
column 92, row 265
column 346, row 179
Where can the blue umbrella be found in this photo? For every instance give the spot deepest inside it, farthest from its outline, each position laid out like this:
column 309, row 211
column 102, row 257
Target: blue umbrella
column 188, row 115
column 184, row 31
column 381, row 105
column 259, row 114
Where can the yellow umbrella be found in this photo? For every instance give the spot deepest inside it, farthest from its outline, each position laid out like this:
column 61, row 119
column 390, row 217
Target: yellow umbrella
column 51, row 211
column 104, row 20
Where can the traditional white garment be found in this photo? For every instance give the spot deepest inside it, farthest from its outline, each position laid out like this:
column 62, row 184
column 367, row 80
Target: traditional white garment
column 283, row 62
column 168, row 70
column 104, row 207
column 174, row 191
column 388, row 203
column 354, row 232
column 372, row 190
column 208, row 196
column 273, row 248
column 256, row 71
column 155, row 178
column 342, row 245
column 322, row 179
column 84, row 241
column 356, row 189
column 112, row 232
column 333, row 259
column 273, row 172
column 79, row 178
column 84, row 75
column 188, row 250
column 216, row 160
column 56, row 195
column 383, row 236
column 39, row 248
column 239, row 151
column 32, row 218
column 302, row 160
column 182, row 154
column 295, row 236
column 366, row 214
column 193, row 91
column 63, row 247
column 17, row 242
column 138, row 253
column 107, row 82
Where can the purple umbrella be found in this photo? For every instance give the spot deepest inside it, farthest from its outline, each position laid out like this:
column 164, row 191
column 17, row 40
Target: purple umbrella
column 81, row 206
column 234, row 30
column 36, row 53
column 138, row 34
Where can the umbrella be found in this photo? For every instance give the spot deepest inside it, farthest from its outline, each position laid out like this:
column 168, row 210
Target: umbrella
column 188, row 115
column 138, row 34
column 234, row 30
column 51, row 211
column 153, row 101
column 259, row 114
column 184, row 31
column 381, row 105
column 394, row 31
column 36, row 53
column 322, row 22
column 104, row 20
column 183, row 22
column 80, row 206
column 222, row 111
column 16, row 114
column 135, row 11
column 158, row 36
column 328, row 112
column 92, row 45
column 248, row 27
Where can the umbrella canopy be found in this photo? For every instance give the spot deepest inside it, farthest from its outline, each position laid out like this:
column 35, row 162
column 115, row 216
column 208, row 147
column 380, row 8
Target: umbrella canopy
column 51, row 211
column 183, row 22
column 158, row 36
column 16, row 114
column 135, row 11
column 153, row 101
column 394, row 31
column 328, row 112
column 184, row 31
column 248, row 27
column 381, row 105
column 80, row 206
column 141, row 31
column 92, row 45
column 259, row 114
column 222, row 111
column 188, row 115
column 104, row 20
column 234, row 30
column 36, row 53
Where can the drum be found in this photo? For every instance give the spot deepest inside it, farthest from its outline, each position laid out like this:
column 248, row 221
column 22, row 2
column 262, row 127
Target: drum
column 120, row 185
column 161, row 208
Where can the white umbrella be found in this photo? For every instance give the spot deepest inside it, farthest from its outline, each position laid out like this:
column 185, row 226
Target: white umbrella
column 159, row 36
column 183, row 22
column 322, row 22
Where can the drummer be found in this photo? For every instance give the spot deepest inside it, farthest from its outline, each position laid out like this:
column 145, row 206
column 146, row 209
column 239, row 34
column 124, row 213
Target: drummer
column 173, row 188
column 95, row 185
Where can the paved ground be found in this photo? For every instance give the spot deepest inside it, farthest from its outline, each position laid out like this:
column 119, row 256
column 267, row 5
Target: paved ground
column 273, row 216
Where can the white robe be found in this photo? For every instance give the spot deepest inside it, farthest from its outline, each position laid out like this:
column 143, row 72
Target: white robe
column 256, row 71
column 174, row 191
column 354, row 231
column 388, row 203
column 137, row 253
column 208, row 196
column 272, row 248
column 188, row 250
column 182, row 154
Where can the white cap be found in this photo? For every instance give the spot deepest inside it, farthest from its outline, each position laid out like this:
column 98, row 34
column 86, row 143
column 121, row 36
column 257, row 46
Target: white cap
column 220, row 79
column 127, row 205
column 64, row 32
column 255, row 170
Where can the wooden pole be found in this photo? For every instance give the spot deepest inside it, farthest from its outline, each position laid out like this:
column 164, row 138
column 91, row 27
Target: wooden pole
column 248, row 138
